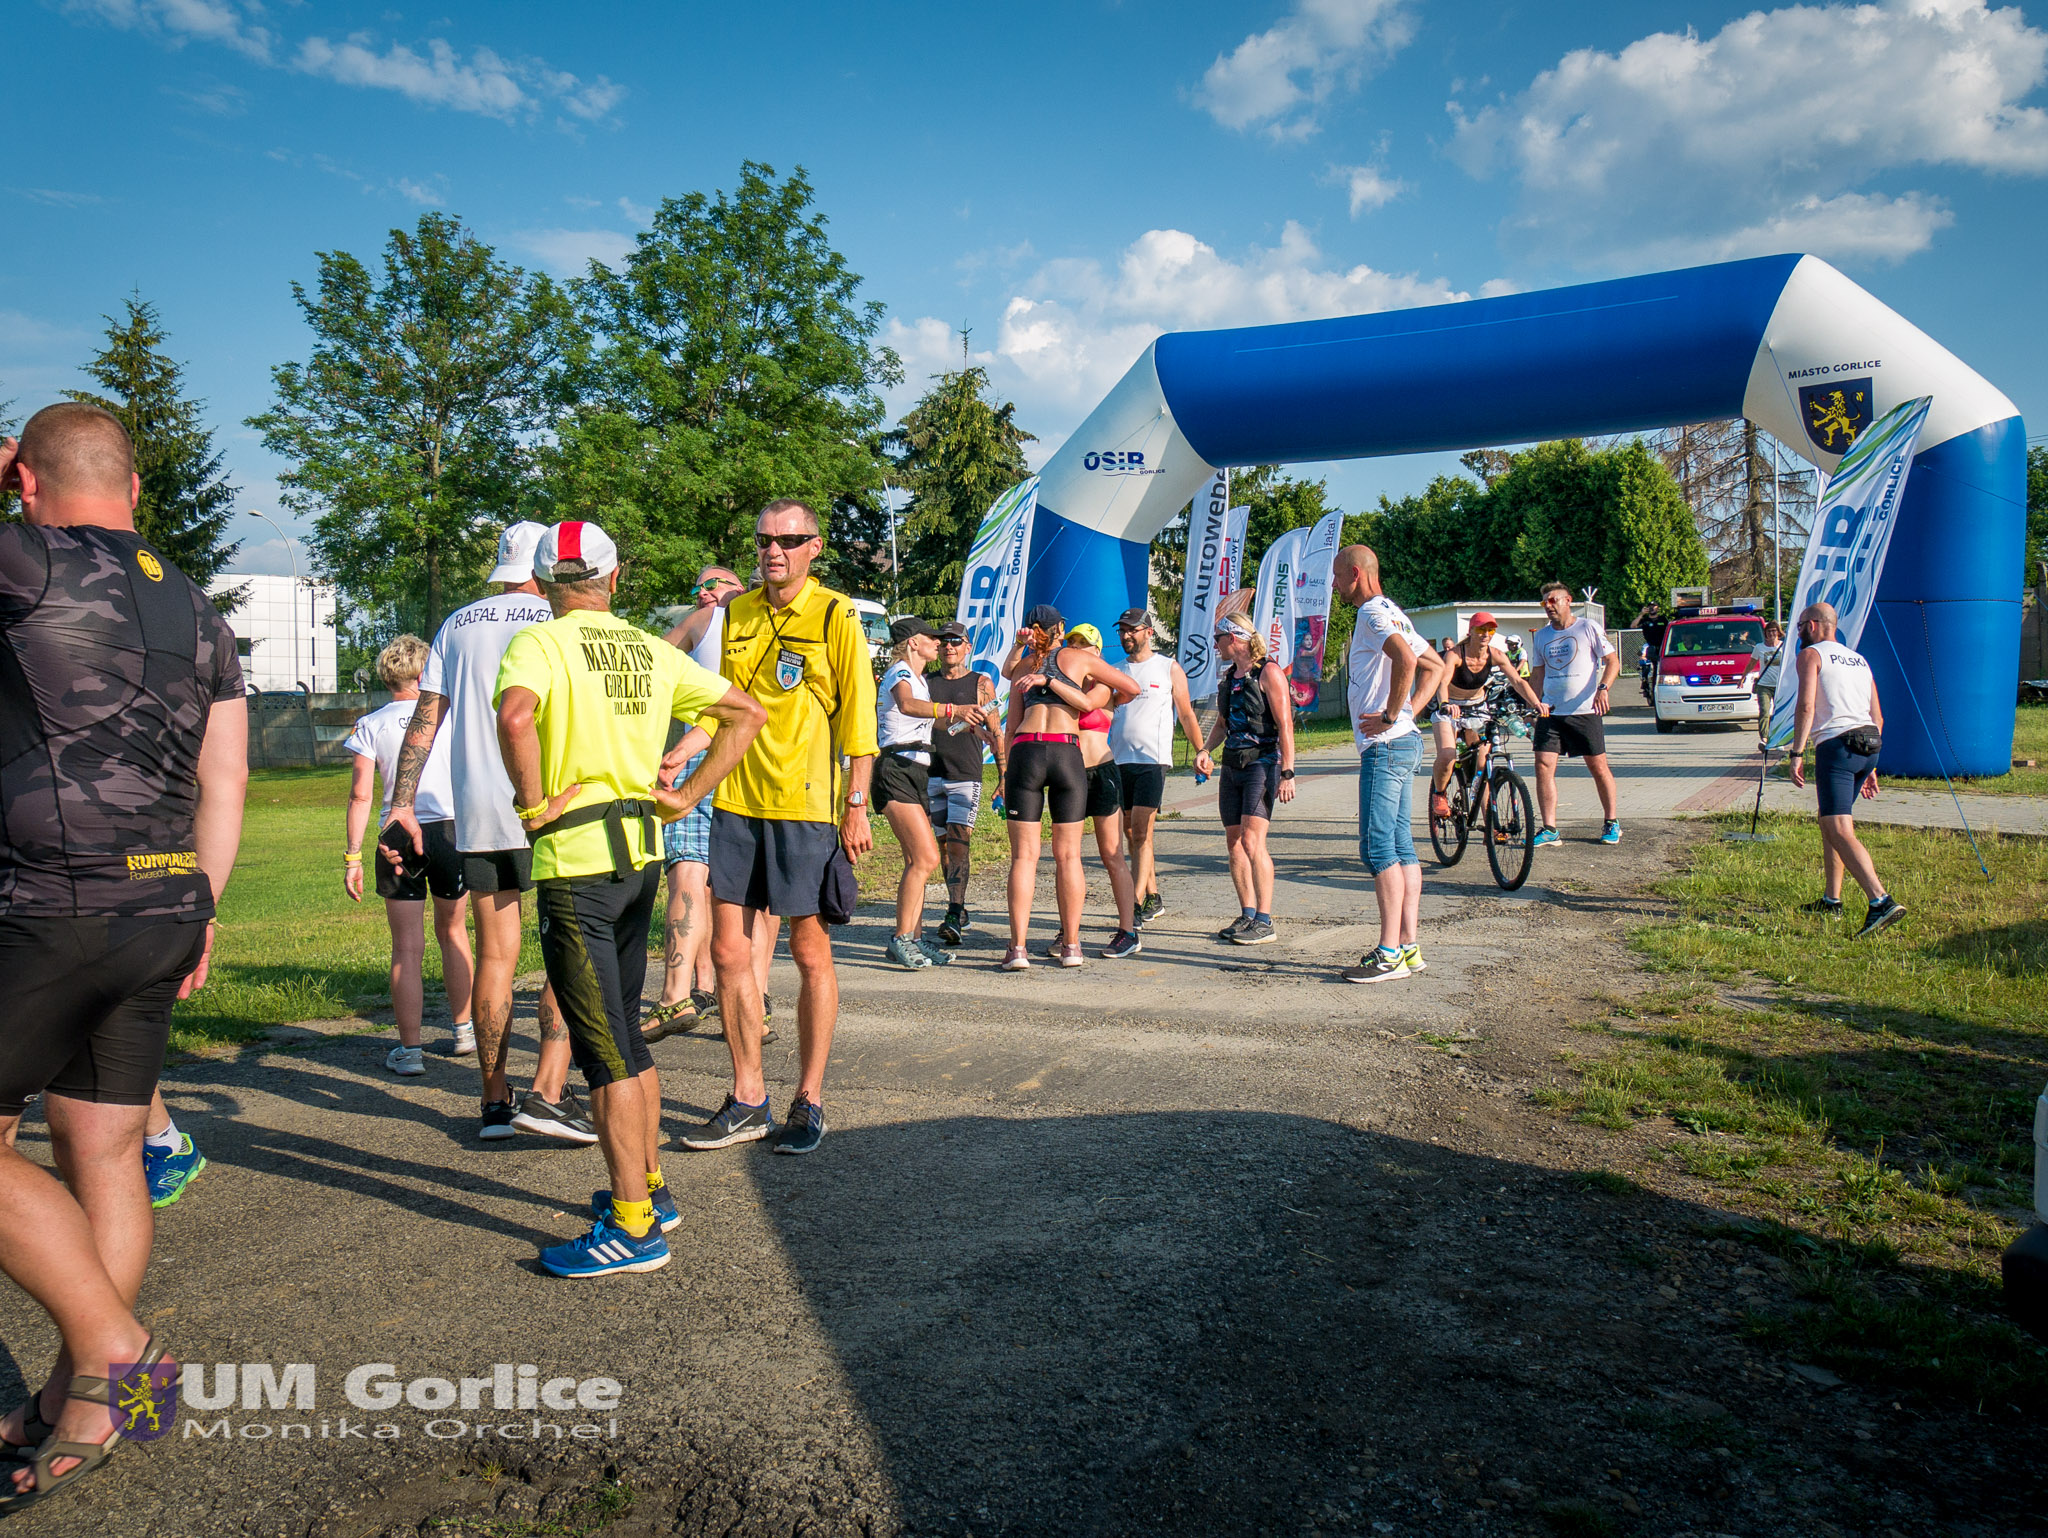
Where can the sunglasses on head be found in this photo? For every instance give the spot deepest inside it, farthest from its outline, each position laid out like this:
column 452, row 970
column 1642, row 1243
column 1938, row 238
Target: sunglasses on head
column 786, row 541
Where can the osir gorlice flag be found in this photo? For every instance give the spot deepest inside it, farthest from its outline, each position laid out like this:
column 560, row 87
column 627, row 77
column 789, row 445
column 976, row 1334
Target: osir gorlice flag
column 992, row 586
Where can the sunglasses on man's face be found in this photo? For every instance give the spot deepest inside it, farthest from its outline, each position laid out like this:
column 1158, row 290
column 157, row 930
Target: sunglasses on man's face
column 786, row 541
column 952, row 640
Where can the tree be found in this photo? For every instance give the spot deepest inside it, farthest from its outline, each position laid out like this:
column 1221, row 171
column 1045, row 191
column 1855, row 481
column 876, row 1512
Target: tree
column 185, row 501
column 1752, row 515
column 957, row 451
column 734, row 364
column 1652, row 543
column 2037, row 515
column 410, row 428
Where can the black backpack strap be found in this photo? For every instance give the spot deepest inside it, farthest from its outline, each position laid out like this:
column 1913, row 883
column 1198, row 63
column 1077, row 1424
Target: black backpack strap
column 613, row 815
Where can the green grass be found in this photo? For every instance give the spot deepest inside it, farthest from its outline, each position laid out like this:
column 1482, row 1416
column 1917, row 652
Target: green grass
column 2029, row 740
column 1865, row 1107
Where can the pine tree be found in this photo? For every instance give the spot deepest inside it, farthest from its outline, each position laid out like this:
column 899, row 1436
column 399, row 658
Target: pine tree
column 186, row 501
column 957, row 451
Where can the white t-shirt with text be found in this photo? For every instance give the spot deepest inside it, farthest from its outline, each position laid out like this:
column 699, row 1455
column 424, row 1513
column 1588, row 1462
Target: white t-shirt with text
column 1570, row 659
column 894, row 727
column 1368, row 670
column 463, row 668
column 378, row 737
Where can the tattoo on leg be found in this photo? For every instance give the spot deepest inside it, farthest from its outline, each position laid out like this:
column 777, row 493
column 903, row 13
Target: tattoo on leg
column 493, row 1033
column 551, row 1026
column 956, row 869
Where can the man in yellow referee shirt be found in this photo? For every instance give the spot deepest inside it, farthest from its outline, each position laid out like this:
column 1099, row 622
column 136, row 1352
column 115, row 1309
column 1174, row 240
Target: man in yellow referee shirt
column 584, row 701
column 782, row 838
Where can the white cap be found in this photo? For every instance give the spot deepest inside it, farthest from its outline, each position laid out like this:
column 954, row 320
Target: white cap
column 515, row 552
column 574, row 552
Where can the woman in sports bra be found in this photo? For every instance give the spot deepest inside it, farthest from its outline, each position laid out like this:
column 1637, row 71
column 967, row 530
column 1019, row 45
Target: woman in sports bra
column 1054, row 685
column 1105, row 806
column 1475, row 662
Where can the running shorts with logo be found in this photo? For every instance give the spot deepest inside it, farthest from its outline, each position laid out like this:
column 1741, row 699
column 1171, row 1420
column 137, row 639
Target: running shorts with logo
column 688, row 838
column 593, row 938
column 953, row 803
column 1144, row 784
column 1247, row 792
column 1042, row 772
column 437, row 868
column 1105, row 789
column 900, row 777
column 1573, row 736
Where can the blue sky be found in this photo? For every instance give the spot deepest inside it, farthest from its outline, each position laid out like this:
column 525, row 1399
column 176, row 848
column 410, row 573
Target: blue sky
column 1065, row 179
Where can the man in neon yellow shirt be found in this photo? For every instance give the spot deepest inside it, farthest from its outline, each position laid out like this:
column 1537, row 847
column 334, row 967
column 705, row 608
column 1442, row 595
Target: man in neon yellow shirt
column 584, row 702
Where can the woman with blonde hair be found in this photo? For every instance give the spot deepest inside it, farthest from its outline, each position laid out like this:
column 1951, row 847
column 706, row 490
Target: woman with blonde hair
column 437, row 868
column 1255, row 724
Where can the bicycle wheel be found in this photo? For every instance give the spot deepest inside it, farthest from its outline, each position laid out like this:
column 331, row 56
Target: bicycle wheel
column 1510, row 830
column 1447, row 835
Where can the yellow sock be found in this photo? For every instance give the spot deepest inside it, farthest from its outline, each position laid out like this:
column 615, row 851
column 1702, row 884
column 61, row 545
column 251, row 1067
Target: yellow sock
column 636, row 1218
column 654, row 1180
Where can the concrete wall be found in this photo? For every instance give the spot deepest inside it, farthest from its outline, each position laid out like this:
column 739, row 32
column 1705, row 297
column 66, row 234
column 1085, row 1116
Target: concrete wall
column 303, row 731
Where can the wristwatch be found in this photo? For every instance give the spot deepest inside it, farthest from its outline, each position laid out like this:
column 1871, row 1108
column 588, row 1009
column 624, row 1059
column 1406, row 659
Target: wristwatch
column 1286, row 774
column 857, row 798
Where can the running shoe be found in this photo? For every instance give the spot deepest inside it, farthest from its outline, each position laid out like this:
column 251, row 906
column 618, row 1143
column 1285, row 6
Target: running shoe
column 734, row 1123
column 666, row 1216
column 1885, row 912
column 463, row 1043
column 407, row 1062
column 804, row 1128
column 1610, row 831
column 1544, row 838
column 1070, row 955
column 1123, row 945
column 1155, row 905
column 1229, row 931
column 1377, row 966
column 565, row 1120
column 1411, row 958
column 955, row 924
column 1824, row 907
column 1254, row 932
column 905, row 952
column 607, row 1250
column 1015, row 960
column 666, row 1020
column 497, row 1121
column 767, row 1007
column 169, row 1173
column 939, row 958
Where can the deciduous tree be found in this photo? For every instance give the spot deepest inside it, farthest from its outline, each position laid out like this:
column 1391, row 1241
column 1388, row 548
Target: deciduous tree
column 957, row 450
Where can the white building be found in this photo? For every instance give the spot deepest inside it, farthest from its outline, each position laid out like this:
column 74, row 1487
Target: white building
column 284, row 630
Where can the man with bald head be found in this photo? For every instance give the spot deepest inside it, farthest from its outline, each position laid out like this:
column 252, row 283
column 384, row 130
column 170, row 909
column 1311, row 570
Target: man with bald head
column 1388, row 670
column 120, row 815
column 1839, row 714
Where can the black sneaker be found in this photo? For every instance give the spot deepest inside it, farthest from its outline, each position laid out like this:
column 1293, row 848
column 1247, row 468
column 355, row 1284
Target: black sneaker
column 1255, row 932
column 1123, row 945
column 1229, row 931
column 1885, row 912
column 734, row 1123
column 1155, row 905
column 955, row 924
column 803, row 1129
column 497, row 1121
column 1824, row 907
column 566, row 1120
column 1376, row 966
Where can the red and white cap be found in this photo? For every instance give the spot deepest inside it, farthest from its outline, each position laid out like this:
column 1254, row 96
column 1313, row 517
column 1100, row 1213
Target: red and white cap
column 575, row 552
column 515, row 552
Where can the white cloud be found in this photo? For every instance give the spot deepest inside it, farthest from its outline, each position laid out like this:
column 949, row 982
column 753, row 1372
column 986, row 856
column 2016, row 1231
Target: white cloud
column 1278, row 79
column 639, row 213
column 440, row 79
column 1369, row 186
column 209, row 21
column 1767, row 135
column 427, row 197
column 572, row 251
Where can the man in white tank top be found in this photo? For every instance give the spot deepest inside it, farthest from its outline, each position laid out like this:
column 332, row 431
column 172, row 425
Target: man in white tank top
column 1141, row 741
column 1839, row 714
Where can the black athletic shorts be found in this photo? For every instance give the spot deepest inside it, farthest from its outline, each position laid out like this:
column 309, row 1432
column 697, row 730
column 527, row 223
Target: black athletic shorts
column 593, row 939
column 439, row 870
column 1574, row 736
column 1046, row 771
column 1144, row 784
column 89, row 1005
column 1838, row 775
column 498, row 870
column 770, row 863
column 1247, row 792
column 901, row 779
column 1105, row 791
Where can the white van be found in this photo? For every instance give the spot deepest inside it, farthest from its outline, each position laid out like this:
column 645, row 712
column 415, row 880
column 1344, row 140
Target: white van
column 874, row 624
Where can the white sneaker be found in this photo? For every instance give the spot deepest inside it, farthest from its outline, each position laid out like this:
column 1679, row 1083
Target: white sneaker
column 408, row 1061
column 464, row 1043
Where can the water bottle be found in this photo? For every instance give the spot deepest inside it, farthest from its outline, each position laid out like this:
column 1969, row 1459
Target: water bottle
column 956, row 726
column 996, row 805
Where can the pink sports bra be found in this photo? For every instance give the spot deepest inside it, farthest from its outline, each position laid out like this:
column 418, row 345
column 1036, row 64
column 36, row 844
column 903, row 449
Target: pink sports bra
column 1096, row 721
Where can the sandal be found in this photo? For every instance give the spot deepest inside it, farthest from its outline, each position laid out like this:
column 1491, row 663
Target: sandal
column 665, row 1020
column 34, row 1427
column 90, row 1455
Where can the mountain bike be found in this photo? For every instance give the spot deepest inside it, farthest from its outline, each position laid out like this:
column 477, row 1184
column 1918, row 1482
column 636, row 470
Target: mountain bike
column 1495, row 799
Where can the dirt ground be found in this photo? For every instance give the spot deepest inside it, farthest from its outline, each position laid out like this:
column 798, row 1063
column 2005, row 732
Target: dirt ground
column 1204, row 1242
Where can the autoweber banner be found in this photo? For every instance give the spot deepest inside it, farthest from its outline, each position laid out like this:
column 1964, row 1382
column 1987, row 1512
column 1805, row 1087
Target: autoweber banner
column 1230, row 575
column 992, row 587
column 1273, row 609
column 1203, row 585
column 1852, row 530
column 1311, row 607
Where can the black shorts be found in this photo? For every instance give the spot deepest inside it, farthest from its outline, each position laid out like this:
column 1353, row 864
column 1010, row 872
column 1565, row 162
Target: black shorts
column 771, row 863
column 438, row 870
column 1105, row 791
column 1144, row 785
column 1247, row 792
column 1046, row 771
column 498, row 870
column 900, row 779
column 1574, row 736
column 89, row 1005
column 1838, row 776
column 593, row 939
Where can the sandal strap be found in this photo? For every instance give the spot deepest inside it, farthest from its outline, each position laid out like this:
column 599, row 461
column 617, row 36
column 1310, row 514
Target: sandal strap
column 97, row 1390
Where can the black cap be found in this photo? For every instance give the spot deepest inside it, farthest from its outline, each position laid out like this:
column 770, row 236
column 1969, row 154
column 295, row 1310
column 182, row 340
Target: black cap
column 1045, row 617
column 953, row 630
column 1136, row 619
column 908, row 628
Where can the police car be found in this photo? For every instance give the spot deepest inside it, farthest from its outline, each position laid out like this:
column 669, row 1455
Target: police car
column 1707, row 669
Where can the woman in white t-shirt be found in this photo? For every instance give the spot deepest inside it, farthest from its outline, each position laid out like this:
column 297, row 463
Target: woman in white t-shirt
column 375, row 743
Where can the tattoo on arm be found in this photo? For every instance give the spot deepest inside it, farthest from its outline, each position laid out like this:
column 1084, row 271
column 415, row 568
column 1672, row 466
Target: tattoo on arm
column 412, row 754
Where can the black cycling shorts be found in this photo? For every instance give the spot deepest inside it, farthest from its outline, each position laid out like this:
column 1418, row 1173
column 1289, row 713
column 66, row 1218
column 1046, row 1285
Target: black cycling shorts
column 898, row 778
column 1247, row 792
column 1046, row 771
column 1582, row 736
column 89, row 1005
column 498, row 870
column 593, row 939
column 438, row 870
column 1105, row 791
column 1144, row 784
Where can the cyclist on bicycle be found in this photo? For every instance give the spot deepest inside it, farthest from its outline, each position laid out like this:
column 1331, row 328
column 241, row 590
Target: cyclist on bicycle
column 1479, row 666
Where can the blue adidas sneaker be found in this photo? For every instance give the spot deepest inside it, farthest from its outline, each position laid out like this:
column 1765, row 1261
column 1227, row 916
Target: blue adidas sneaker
column 665, row 1214
column 169, row 1173
column 1546, row 837
column 607, row 1250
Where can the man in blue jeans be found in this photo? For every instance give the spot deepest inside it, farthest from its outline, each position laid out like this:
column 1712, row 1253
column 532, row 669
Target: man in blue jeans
column 1389, row 668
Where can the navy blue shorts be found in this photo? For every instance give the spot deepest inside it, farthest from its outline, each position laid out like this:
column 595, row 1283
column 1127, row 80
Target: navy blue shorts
column 1838, row 776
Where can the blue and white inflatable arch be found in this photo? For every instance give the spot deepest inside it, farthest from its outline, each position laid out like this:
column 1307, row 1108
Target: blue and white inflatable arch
column 1761, row 339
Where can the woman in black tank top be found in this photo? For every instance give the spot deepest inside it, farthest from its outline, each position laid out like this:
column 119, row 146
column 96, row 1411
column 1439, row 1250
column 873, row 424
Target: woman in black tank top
column 1256, row 728
column 1476, row 663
